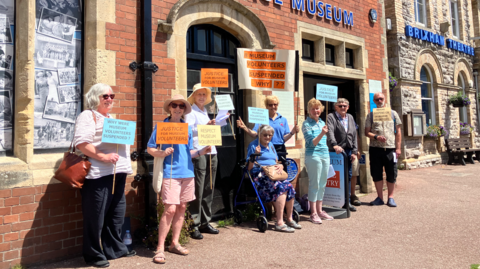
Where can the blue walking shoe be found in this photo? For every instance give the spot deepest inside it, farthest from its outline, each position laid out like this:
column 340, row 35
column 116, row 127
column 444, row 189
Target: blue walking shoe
column 377, row 201
column 391, row 202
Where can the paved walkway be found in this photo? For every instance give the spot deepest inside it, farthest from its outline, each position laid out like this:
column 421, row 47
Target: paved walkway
column 436, row 225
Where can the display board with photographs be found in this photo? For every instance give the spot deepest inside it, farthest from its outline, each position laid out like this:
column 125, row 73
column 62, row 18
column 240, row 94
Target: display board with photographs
column 7, row 55
column 58, row 51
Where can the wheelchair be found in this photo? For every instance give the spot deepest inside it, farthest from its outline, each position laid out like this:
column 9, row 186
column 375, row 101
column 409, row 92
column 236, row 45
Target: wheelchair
column 262, row 223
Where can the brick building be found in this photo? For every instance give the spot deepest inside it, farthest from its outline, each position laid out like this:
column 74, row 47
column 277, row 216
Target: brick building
column 430, row 52
column 341, row 43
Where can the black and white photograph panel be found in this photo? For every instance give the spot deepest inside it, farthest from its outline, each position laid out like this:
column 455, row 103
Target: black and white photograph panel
column 54, row 54
column 72, row 8
column 6, row 136
column 6, row 78
column 46, row 87
column 67, row 76
column 61, row 112
column 6, row 56
column 6, row 111
column 7, row 8
column 52, row 134
column 57, row 25
column 5, row 31
column 68, row 94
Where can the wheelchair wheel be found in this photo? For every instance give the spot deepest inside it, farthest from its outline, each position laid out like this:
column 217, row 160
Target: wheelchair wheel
column 238, row 216
column 295, row 216
column 292, row 169
column 262, row 224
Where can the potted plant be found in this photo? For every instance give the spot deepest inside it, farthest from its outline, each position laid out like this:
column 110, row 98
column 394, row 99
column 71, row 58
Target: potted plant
column 392, row 81
column 465, row 128
column 436, row 131
column 459, row 100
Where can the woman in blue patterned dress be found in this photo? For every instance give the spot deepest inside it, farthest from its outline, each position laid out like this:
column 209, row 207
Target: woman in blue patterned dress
column 281, row 193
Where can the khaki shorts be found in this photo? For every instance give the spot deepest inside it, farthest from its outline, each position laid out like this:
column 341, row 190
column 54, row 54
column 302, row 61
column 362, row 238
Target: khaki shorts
column 182, row 190
column 355, row 168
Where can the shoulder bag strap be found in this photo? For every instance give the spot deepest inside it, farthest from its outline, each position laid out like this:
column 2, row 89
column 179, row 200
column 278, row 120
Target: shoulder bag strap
column 75, row 130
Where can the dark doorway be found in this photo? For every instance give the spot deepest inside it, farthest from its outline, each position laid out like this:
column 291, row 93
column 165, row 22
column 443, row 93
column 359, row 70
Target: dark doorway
column 209, row 46
column 346, row 89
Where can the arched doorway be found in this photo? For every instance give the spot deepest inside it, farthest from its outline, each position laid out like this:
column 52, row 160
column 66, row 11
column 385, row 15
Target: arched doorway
column 209, row 46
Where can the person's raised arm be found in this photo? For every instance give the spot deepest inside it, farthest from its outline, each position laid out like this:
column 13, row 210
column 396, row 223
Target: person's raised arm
column 242, row 125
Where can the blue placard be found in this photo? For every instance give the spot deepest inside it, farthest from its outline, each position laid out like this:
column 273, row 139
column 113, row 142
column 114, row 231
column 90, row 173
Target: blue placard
column 362, row 159
column 335, row 189
column 258, row 115
column 118, row 131
column 327, row 93
column 372, row 103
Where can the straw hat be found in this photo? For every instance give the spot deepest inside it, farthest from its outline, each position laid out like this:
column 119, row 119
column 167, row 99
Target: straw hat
column 197, row 87
column 177, row 97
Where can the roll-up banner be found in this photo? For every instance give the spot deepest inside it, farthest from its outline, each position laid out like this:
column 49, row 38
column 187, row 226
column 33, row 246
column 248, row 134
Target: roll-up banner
column 266, row 69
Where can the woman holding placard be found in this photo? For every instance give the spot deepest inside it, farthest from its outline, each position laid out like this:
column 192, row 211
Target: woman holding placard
column 178, row 188
column 277, row 121
column 205, row 167
column 280, row 192
column 317, row 159
column 103, row 211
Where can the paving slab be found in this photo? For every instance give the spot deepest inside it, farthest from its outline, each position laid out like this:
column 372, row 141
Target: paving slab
column 436, row 225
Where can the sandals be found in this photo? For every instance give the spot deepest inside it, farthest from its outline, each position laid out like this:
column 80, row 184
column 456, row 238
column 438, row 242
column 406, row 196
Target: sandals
column 284, row 228
column 178, row 249
column 293, row 224
column 159, row 255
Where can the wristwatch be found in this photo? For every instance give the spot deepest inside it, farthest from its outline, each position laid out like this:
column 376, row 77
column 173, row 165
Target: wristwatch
column 375, row 137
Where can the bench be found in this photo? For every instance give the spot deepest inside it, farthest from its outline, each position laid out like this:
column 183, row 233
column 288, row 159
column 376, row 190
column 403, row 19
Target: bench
column 458, row 147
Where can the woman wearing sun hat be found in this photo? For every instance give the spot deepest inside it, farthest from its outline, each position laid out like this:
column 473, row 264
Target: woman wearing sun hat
column 182, row 189
column 201, row 207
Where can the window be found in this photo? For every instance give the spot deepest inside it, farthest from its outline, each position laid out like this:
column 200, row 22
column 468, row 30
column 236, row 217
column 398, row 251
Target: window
column 307, row 50
column 421, row 12
column 209, row 40
column 454, row 17
column 7, row 55
column 462, row 110
column 428, row 105
column 329, row 54
column 349, row 58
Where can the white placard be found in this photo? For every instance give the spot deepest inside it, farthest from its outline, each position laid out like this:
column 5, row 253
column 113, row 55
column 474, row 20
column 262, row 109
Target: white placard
column 224, row 102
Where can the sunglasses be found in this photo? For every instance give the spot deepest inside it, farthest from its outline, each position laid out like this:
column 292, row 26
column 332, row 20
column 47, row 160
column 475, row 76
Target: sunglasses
column 105, row 96
column 181, row 106
column 342, row 106
column 379, row 99
column 271, row 105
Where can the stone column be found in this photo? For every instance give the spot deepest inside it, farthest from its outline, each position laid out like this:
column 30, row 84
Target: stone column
column 366, row 181
column 24, row 80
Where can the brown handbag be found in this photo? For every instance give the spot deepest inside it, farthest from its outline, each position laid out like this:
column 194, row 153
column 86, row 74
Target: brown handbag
column 74, row 168
column 275, row 172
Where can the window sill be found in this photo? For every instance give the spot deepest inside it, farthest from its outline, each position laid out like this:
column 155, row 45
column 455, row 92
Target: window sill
column 39, row 161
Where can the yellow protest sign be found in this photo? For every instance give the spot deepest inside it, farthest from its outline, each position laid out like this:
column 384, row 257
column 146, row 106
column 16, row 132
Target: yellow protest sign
column 209, row 135
column 382, row 114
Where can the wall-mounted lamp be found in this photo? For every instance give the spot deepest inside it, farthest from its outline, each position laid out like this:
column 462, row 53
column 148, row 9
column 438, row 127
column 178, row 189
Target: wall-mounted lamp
column 444, row 26
column 389, row 24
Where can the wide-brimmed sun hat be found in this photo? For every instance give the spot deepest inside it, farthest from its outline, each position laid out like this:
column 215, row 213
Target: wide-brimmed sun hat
column 177, row 97
column 196, row 87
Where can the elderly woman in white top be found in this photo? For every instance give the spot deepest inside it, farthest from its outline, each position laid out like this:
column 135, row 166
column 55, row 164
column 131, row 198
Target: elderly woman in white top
column 103, row 212
column 201, row 207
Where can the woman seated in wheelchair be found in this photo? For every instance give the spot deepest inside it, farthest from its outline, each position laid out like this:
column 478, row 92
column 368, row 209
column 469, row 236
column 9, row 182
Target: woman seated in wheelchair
column 280, row 192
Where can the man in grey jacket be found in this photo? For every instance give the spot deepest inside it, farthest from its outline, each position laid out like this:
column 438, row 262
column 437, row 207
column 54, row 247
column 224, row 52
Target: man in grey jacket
column 342, row 138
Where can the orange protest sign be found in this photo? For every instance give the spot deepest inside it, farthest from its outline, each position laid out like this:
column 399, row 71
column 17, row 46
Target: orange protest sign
column 211, row 77
column 260, row 55
column 172, row 133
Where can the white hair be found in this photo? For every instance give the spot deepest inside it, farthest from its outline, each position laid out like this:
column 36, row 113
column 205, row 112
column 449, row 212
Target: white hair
column 93, row 95
column 265, row 128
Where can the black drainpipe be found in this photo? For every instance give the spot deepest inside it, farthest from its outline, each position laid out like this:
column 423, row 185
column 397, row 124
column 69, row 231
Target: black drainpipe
column 148, row 68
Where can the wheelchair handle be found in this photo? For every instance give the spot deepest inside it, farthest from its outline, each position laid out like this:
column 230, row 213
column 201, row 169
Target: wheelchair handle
column 282, row 153
column 253, row 155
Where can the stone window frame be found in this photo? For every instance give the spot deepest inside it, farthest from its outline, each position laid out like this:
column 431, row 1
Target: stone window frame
column 433, row 109
column 455, row 26
column 462, row 84
column 424, row 15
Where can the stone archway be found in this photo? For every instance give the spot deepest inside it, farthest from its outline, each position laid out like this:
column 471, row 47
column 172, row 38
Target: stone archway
column 428, row 57
column 462, row 67
column 227, row 14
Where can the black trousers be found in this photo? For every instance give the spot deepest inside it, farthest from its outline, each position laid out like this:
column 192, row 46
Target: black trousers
column 103, row 215
column 201, row 207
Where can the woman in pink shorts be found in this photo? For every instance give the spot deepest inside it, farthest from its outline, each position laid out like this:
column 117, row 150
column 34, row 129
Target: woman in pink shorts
column 182, row 189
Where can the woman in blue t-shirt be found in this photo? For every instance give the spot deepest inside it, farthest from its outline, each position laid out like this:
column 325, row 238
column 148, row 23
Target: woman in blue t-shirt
column 178, row 187
column 281, row 193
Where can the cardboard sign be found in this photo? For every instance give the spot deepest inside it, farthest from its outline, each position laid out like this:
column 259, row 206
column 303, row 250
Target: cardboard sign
column 327, row 93
column 211, row 77
column 118, row 131
column 224, row 102
column 258, row 115
column 209, row 135
column 335, row 190
column 172, row 133
column 266, row 69
column 382, row 114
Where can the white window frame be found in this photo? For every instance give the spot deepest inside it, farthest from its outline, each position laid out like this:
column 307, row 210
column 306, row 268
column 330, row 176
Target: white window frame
column 463, row 110
column 419, row 16
column 432, row 99
column 454, row 15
